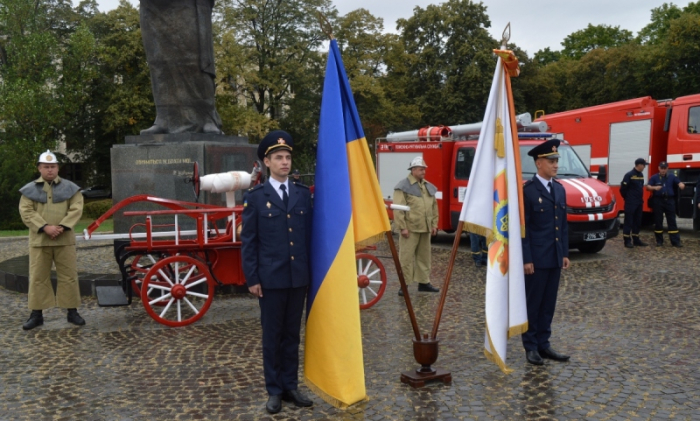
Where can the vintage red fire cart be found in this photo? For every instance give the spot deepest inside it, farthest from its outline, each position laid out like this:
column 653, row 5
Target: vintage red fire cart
column 176, row 271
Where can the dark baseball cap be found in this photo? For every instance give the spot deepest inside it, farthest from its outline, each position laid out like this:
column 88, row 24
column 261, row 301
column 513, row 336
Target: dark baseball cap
column 641, row 161
column 663, row 164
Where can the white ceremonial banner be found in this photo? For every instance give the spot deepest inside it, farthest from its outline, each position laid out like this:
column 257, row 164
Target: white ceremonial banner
column 492, row 208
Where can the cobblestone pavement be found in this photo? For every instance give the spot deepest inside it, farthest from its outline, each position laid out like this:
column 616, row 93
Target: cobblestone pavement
column 629, row 318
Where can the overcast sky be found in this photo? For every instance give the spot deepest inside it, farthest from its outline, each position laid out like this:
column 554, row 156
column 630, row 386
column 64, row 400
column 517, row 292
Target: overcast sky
column 535, row 24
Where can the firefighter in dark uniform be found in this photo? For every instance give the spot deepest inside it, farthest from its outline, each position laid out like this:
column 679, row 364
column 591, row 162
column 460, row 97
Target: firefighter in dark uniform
column 545, row 251
column 663, row 184
column 632, row 190
column 275, row 250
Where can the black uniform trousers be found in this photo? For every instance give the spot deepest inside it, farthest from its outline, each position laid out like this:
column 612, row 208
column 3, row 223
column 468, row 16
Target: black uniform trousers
column 633, row 220
column 280, row 316
column 541, row 291
column 665, row 206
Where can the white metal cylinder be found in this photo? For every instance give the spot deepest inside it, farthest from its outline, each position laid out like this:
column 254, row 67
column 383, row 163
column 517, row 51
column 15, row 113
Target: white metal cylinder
column 225, row 182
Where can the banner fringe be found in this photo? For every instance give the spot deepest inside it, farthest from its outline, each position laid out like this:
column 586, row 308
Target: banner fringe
column 517, row 330
column 479, row 230
column 328, row 398
column 493, row 356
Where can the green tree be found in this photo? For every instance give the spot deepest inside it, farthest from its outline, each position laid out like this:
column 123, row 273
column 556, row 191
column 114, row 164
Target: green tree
column 121, row 102
column 546, row 56
column 275, row 41
column 681, row 51
column 448, row 52
column 270, row 67
column 33, row 37
column 578, row 43
column 365, row 50
column 29, row 111
column 661, row 18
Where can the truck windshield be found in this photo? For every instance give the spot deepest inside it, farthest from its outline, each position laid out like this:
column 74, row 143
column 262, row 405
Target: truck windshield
column 570, row 165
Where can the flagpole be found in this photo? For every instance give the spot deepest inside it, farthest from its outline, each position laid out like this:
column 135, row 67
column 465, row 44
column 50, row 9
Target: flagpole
column 425, row 349
column 448, row 275
column 399, row 272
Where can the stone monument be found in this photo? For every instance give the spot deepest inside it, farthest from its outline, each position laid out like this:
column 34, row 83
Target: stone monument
column 177, row 37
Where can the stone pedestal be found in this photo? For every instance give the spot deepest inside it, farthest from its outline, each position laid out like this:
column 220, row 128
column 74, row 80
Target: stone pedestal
column 158, row 165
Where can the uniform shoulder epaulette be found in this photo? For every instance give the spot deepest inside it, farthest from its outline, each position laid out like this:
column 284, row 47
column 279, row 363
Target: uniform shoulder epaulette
column 556, row 180
column 298, row 184
column 527, row 183
column 256, row 187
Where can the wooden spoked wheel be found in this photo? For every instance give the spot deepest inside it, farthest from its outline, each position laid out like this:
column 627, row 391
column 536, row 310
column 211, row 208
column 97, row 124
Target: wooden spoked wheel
column 371, row 279
column 185, row 291
column 137, row 266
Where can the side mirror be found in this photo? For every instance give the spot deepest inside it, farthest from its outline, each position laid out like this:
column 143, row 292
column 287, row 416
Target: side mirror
column 603, row 173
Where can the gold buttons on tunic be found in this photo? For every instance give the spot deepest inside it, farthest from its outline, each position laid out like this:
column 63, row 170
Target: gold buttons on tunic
column 292, row 257
column 290, row 230
column 291, row 243
column 289, row 216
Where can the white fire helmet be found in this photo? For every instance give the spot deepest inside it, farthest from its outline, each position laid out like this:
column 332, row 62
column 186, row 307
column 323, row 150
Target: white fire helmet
column 417, row 162
column 47, row 158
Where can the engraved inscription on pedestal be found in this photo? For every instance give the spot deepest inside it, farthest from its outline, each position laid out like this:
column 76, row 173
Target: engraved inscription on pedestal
column 160, row 169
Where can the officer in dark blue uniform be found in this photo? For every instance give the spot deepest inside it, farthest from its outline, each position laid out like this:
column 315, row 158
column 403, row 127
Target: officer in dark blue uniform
column 632, row 190
column 275, row 249
column 662, row 184
column 545, row 251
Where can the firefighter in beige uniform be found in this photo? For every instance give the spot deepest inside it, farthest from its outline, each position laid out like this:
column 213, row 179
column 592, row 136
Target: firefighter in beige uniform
column 50, row 207
column 417, row 225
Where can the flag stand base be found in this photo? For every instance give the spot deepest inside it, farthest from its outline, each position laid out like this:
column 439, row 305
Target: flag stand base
column 417, row 379
column 426, row 353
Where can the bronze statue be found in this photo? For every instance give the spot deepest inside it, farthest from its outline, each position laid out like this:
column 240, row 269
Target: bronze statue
column 177, row 37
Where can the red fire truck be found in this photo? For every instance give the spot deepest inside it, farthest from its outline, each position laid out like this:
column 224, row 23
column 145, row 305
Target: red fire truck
column 609, row 137
column 449, row 153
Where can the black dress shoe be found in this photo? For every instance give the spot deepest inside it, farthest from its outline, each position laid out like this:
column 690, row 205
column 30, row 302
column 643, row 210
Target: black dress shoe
column 74, row 317
column 629, row 245
column 35, row 319
column 533, row 357
column 427, row 288
column 553, row 355
column 274, row 404
column 640, row 244
column 679, row 245
column 298, row 399
column 401, row 293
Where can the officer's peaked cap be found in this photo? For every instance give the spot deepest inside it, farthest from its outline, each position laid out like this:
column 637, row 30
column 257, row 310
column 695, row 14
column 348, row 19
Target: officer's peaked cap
column 274, row 141
column 548, row 149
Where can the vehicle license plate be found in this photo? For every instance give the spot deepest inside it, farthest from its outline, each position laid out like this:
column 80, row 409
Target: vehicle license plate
column 594, row 236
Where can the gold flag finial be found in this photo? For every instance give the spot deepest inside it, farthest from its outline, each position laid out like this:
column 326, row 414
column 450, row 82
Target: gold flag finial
column 325, row 25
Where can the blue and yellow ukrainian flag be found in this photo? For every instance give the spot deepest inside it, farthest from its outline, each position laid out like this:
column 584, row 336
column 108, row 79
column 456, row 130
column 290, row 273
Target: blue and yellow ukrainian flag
column 348, row 210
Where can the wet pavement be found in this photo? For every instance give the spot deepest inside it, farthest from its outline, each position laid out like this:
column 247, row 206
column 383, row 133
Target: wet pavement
column 629, row 318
